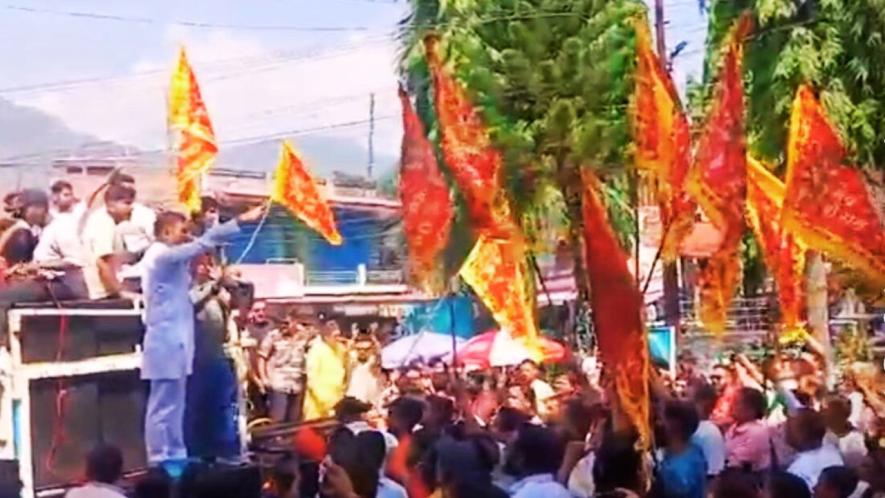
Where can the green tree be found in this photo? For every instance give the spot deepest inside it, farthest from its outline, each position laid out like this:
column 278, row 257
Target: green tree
column 835, row 45
column 553, row 79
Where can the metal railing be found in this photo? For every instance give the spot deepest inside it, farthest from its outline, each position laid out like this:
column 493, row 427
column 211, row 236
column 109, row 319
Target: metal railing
column 341, row 277
column 394, row 276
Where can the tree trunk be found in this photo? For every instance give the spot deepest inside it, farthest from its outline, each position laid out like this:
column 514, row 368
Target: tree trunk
column 818, row 310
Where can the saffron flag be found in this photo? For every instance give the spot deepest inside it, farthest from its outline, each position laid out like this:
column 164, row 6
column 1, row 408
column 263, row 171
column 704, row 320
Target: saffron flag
column 193, row 139
column 663, row 141
column 295, row 189
column 718, row 182
column 782, row 253
column 467, row 149
column 618, row 320
column 827, row 204
column 496, row 270
column 427, row 204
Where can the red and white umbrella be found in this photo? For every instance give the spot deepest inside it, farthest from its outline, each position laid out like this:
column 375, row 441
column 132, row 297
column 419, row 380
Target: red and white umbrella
column 497, row 348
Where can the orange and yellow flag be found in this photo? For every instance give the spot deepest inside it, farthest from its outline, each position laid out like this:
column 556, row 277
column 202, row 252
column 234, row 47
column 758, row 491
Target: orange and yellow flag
column 618, row 303
column 468, row 151
column 827, row 204
column 295, row 189
column 496, row 270
column 783, row 254
column 425, row 196
column 193, row 139
column 718, row 182
column 663, row 141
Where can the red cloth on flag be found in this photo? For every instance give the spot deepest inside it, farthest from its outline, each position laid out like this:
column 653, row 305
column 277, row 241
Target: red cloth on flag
column 617, row 321
column 425, row 196
column 827, row 204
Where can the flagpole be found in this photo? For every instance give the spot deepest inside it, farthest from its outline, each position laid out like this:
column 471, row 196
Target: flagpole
column 254, row 237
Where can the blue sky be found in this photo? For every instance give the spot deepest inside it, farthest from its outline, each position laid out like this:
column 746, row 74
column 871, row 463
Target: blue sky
column 255, row 81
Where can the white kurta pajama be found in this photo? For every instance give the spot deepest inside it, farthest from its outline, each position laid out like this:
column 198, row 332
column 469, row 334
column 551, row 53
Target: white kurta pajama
column 169, row 339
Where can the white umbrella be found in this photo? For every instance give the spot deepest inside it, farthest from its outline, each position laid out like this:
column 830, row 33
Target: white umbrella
column 423, row 346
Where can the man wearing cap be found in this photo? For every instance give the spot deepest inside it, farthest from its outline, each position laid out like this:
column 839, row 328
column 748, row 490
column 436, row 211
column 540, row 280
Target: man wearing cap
column 49, row 269
column 352, row 412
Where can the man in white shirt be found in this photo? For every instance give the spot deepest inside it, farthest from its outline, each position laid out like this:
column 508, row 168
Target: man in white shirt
column 535, row 458
column 530, row 374
column 364, row 376
column 99, row 236
column 136, row 233
column 841, row 434
column 805, row 432
column 63, row 200
column 104, row 467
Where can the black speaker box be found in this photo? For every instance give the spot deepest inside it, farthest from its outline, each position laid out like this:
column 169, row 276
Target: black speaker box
column 74, row 338
column 69, row 416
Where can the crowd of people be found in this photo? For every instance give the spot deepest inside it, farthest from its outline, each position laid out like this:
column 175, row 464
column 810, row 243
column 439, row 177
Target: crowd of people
column 778, row 427
column 744, row 429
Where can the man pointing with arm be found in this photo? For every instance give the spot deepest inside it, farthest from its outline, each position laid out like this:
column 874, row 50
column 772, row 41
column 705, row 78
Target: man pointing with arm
column 169, row 321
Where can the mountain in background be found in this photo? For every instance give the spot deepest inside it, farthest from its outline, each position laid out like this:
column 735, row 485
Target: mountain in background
column 30, row 139
column 322, row 154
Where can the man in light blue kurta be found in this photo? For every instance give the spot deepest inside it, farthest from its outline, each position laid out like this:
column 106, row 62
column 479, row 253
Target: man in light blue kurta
column 169, row 319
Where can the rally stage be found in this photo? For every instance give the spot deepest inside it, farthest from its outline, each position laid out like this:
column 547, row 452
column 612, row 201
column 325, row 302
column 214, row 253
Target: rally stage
column 70, row 379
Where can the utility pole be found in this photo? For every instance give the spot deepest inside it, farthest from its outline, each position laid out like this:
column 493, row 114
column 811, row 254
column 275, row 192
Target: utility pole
column 371, row 134
column 659, row 32
column 670, row 270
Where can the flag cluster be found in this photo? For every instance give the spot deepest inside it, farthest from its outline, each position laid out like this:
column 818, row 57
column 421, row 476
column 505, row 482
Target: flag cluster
column 496, row 268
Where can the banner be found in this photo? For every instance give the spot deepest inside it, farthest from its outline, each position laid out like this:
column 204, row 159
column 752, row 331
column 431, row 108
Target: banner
column 718, row 182
column 427, row 204
column 783, row 255
column 467, row 149
column 193, row 139
column 496, row 270
column 827, row 204
column 618, row 306
column 295, row 189
column 663, row 141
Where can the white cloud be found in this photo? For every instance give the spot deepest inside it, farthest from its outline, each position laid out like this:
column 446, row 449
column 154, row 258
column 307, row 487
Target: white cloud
column 250, row 91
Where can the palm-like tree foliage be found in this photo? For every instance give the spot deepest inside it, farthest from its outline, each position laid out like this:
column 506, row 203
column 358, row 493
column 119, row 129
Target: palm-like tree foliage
column 553, row 79
column 836, row 45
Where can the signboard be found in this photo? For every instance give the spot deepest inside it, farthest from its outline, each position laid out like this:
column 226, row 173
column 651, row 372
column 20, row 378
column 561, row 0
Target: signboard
column 662, row 346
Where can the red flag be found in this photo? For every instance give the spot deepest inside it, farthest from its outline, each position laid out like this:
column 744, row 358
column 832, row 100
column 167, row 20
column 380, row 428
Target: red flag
column 618, row 317
column 827, row 204
column 496, row 265
column 427, row 205
column 663, row 141
column 783, row 255
column 718, row 182
column 467, row 149
column 296, row 190
column 192, row 135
